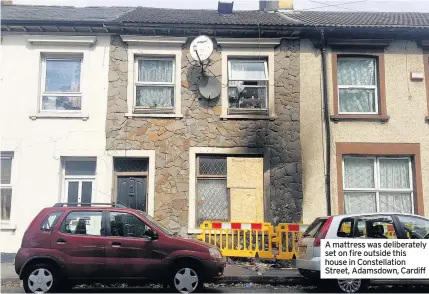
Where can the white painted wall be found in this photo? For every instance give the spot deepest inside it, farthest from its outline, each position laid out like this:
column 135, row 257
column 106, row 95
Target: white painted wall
column 39, row 144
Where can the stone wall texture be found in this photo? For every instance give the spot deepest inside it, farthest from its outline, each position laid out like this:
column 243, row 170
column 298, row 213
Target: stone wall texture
column 202, row 127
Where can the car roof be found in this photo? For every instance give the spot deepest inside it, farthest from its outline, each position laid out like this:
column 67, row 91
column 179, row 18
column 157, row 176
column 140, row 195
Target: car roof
column 377, row 213
column 370, row 214
column 99, row 208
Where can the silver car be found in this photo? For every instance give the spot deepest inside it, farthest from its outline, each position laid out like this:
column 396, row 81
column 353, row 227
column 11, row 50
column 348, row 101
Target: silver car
column 374, row 225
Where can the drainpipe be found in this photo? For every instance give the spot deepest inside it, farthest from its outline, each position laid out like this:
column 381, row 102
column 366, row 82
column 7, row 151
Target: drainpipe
column 327, row 125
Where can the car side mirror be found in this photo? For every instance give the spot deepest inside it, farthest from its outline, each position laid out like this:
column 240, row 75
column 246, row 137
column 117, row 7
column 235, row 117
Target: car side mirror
column 152, row 234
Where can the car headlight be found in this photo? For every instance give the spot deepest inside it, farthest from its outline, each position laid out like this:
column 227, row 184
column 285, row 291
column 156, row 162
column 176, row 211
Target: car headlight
column 215, row 253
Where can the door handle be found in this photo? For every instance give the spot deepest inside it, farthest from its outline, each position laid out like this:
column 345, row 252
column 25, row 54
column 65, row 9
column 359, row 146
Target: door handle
column 61, row 241
column 116, row 244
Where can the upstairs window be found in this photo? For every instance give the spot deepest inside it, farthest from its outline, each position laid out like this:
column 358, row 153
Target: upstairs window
column 61, row 84
column 357, row 85
column 247, row 84
column 155, row 85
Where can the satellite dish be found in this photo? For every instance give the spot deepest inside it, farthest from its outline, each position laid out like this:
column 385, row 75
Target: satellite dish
column 201, row 48
column 209, row 87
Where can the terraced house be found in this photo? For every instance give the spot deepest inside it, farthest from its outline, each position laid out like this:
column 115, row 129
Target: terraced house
column 374, row 69
column 282, row 117
column 187, row 158
column 54, row 80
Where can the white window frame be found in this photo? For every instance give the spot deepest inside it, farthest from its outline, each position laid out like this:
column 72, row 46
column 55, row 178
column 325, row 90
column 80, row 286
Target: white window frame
column 267, row 79
column 360, row 87
column 8, row 155
column 156, row 47
column 230, row 52
column 153, row 84
column 77, row 178
column 377, row 189
column 47, row 57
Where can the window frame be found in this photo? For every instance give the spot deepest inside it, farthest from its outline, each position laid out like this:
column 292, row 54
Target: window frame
column 377, row 187
column 381, row 114
column 200, row 177
column 45, row 59
column 266, row 80
column 159, row 47
column 77, row 178
column 411, row 150
column 63, row 224
column 367, row 217
column 57, row 214
column 402, row 225
column 137, row 83
column 194, row 152
column 375, row 87
column 109, row 229
column 8, row 155
column 230, row 52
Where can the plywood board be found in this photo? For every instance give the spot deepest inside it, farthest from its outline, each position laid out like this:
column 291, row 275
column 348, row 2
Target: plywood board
column 245, row 172
column 246, row 184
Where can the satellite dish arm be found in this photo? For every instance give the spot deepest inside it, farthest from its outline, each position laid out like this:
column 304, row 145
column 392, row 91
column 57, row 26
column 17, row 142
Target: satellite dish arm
column 201, row 63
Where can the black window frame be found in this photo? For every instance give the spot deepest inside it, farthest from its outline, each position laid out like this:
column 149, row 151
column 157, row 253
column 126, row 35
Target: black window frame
column 102, row 230
column 395, row 222
column 403, row 234
column 353, row 227
column 107, row 226
column 58, row 214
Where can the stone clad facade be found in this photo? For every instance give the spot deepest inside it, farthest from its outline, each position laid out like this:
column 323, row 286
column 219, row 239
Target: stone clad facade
column 201, row 126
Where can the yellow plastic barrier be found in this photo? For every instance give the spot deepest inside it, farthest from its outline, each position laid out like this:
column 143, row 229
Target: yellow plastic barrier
column 239, row 239
column 253, row 239
column 288, row 236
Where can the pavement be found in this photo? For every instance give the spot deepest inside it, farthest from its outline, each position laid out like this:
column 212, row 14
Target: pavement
column 232, row 274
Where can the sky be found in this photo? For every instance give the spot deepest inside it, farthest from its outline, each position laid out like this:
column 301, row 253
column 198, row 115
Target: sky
column 344, row 5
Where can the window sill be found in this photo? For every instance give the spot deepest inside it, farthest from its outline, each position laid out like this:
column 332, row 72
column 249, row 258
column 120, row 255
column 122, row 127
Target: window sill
column 156, row 115
column 194, row 231
column 360, row 117
column 81, row 116
column 7, row 227
column 247, row 116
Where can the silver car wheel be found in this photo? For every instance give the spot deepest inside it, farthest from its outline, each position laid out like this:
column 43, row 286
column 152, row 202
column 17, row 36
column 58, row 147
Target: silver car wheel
column 186, row 280
column 350, row 285
column 40, row 280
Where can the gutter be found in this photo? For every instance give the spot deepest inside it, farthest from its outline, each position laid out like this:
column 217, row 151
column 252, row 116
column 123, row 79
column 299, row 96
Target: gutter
column 327, row 123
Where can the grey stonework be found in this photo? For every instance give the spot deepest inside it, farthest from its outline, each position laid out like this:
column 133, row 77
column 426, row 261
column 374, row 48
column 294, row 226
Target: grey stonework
column 202, row 127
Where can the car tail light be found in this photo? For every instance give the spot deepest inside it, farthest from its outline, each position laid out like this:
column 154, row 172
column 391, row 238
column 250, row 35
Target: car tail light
column 322, row 232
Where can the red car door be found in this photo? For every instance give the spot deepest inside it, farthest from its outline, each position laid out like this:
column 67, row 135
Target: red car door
column 81, row 242
column 129, row 252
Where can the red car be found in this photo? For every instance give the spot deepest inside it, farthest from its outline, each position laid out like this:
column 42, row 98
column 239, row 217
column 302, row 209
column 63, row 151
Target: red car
column 69, row 244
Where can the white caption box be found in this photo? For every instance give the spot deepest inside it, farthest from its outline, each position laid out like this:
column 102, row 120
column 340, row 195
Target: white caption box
column 374, row 259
